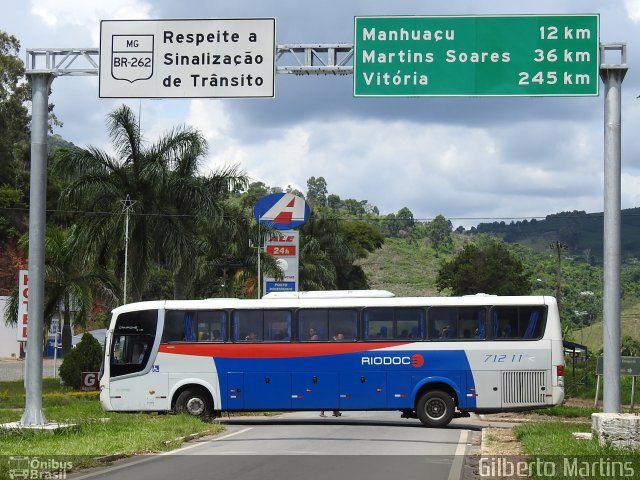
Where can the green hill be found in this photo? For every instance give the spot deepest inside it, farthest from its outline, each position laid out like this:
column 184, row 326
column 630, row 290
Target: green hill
column 591, row 336
column 581, row 232
column 403, row 267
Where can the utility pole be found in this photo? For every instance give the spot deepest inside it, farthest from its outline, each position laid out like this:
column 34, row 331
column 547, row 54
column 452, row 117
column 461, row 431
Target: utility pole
column 558, row 246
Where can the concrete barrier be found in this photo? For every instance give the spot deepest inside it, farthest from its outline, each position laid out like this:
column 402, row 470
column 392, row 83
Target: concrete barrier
column 622, row 430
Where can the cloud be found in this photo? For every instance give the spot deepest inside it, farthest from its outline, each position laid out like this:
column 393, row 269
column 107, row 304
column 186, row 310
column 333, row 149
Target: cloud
column 83, row 14
column 457, row 171
column 633, row 10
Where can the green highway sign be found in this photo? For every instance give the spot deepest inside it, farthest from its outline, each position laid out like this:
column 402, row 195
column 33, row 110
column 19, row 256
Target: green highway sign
column 531, row 55
column 629, row 366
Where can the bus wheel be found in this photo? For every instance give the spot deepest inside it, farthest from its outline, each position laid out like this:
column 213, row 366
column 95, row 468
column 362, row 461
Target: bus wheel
column 435, row 409
column 194, row 402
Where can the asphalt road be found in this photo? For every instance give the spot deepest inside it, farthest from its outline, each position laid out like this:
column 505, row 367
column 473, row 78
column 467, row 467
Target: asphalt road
column 358, row 445
column 12, row 369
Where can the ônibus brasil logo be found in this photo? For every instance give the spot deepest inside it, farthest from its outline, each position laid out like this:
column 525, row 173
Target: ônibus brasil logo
column 416, row 360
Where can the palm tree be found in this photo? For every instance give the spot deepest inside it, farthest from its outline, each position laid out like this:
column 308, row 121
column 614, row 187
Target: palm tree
column 324, row 253
column 72, row 282
column 229, row 266
column 171, row 202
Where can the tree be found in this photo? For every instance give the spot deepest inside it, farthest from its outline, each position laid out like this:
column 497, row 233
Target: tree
column 439, row 232
column 14, row 117
column 629, row 346
column 317, row 192
column 406, row 220
column 171, row 201
column 86, row 357
column 334, row 201
column 488, row 269
column 73, row 282
column 362, row 238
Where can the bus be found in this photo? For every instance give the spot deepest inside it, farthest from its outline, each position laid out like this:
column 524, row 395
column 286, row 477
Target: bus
column 431, row 358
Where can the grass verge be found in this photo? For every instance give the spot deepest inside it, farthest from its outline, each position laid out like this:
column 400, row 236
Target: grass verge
column 551, row 450
column 544, row 447
column 95, row 434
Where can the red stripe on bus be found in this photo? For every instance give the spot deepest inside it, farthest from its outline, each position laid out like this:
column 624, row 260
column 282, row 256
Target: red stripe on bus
column 271, row 350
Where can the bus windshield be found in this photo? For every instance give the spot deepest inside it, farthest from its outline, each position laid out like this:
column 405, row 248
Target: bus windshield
column 133, row 337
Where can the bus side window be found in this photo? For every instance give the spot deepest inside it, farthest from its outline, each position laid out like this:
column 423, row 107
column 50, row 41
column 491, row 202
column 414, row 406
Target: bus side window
column 408, row 323
column 212, row 326
column 277, row 325
column 378, row 323
column 173, row 326
column 442, row 323
column 343, row 325
column 471, row 322
column 248, row 325
column 521, row 322
column 312, row 324
column 179, row 326
column 536, row 323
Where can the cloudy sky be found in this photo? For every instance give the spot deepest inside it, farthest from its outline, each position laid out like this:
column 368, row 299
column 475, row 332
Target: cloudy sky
column 469, row 159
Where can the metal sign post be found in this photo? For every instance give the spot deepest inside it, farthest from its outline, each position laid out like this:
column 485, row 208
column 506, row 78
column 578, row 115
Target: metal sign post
column 629, row 366
column 40, row 84
column 612, row 76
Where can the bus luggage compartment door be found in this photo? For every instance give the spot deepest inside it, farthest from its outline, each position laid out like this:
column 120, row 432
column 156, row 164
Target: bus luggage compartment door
column 314, row 390
column 267, row 390
column 362, row 390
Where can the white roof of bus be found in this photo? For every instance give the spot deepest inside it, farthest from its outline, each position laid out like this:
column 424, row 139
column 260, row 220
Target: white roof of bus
column 337, row 301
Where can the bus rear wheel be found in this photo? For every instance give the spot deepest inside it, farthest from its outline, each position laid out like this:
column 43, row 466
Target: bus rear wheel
column 435, row 409
column 194, row 402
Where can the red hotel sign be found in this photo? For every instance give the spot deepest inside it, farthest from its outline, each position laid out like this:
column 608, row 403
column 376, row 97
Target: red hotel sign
column 23, row 305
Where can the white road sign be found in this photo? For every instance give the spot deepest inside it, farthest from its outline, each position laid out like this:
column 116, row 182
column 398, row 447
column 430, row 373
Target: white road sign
column 221, row 58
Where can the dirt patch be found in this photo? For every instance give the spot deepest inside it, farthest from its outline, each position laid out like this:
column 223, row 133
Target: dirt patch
column 500, row 441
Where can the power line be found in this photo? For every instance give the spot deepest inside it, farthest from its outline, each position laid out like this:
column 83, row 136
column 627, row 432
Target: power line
column 380, row 217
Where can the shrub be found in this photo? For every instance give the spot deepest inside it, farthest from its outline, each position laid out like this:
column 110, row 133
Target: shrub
column 86, row 357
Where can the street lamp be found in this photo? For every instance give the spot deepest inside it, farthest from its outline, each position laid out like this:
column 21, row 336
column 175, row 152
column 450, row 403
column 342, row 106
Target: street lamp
column 127, row 206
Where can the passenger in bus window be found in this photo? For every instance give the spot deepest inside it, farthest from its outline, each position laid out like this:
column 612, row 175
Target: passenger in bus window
column 506, row 331
column 338, row 337
column 382, row 333
column 252, row 336
column 215, row 335
column 313, row 334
